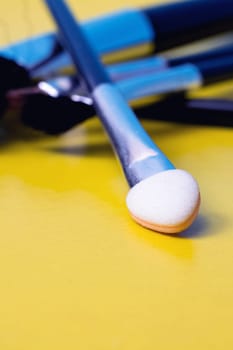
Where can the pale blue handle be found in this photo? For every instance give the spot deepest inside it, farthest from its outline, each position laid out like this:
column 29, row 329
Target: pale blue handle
column 133, row 68
column 109, row 33
column 174, row 79
column 139, row 155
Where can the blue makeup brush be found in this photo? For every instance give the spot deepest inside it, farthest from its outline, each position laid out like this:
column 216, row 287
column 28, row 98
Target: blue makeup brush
column 58, row 110
column 161, row 27
column 58, row 115
column 161, row 198
column 157, row 63
column 15, row 75
column 146, row 82
column 34, row 107
column 42, row 55
column 184, row 77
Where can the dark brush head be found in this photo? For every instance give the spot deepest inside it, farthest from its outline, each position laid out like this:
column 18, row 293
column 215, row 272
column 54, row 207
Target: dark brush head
column 178, row 108
column 13, row 76
column 57, row 115
column 53, row 115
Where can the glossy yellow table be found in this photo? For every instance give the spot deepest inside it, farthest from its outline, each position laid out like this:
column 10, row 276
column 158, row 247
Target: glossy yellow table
column 75, row 271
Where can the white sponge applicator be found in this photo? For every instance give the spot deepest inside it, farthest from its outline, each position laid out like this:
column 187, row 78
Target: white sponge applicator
column 161, row 197
column 167, row 202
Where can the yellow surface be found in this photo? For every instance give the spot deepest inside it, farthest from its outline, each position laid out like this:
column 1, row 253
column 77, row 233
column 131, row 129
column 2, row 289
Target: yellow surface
column 75, row 271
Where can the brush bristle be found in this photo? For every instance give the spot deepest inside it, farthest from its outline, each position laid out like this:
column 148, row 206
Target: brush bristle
column 13, row 76
column 53, row 115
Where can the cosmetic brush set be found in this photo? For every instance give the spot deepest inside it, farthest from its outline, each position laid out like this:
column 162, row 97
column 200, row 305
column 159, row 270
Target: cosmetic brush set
column 161, row 197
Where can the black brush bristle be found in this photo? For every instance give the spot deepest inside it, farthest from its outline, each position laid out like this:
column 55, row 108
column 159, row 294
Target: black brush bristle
column 53, row 115
column 57, row 115
column 13, row 76
column 176, row 108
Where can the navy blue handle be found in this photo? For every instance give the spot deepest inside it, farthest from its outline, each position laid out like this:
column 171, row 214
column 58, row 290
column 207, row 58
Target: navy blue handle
column 178, row 108
column 88, row 65
column 216, row 70
column 182, row 22
column 12, row 76
column 216, row 52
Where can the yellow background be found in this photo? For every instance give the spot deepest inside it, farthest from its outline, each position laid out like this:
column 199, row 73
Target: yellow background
column 75, row 271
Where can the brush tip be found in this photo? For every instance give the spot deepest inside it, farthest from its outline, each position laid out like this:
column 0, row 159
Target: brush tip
column 13, row 76
column 166, row 202
column 53, row 115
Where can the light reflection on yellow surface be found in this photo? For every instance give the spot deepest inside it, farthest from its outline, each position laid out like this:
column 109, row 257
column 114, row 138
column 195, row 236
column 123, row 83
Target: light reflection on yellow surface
column 77, row 273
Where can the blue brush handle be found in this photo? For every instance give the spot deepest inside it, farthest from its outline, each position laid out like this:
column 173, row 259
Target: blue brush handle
column 78, row 45
column 216, row 70
column 185, row 21
column 131, row 142
column 209, row 54
column 157, row 63
column 179, row 78
column 167, row 26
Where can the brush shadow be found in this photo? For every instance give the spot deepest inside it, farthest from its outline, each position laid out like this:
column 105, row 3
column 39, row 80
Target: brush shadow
column 9, row 136
column 199, row 228
column 203, row 226
column 152, row 126
column 87, row 150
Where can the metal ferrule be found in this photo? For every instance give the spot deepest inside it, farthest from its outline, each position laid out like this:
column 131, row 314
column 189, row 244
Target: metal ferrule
column 138, row 154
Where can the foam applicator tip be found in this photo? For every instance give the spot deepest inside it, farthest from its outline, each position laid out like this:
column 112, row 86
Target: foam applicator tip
column 167, row 201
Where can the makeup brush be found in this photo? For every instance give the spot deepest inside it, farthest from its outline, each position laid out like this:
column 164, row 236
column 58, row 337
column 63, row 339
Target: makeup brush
column 161, row 198
column 14, row 75
column 157, row 63
column 37, row 57
column 158, row 28
column 58, row 115
column 51, row 107
column 184, row 77
column 27, row 74
column 189, row 111
column 218, row 66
